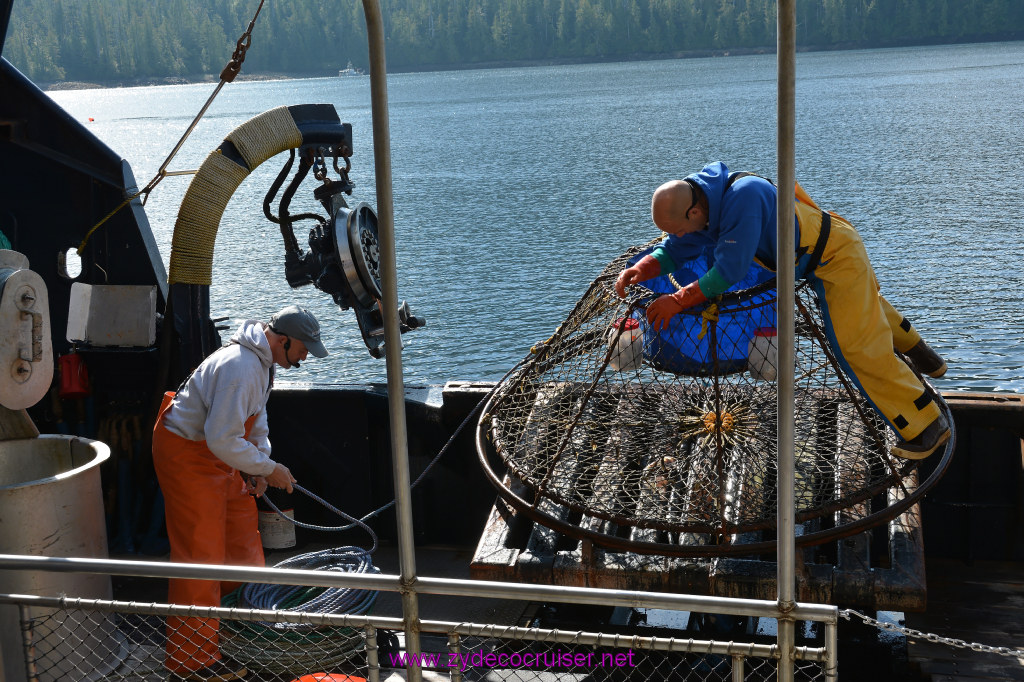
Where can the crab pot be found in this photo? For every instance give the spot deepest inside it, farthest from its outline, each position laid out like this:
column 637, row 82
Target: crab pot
column 664, row 441
column 51, row 505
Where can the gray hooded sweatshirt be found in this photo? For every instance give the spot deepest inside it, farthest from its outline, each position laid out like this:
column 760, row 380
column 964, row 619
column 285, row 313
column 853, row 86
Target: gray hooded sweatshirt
column 230, row 385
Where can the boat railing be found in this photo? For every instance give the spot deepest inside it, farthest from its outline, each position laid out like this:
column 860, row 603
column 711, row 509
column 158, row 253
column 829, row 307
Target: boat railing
column 68, row 637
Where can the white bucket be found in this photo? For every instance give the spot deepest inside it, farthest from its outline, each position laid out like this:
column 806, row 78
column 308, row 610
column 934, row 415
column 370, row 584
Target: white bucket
column 275, row 532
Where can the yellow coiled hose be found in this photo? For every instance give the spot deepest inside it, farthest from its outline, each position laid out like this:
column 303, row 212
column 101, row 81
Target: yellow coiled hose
column 195, row 229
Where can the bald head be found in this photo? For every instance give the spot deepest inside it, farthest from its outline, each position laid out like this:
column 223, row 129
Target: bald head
column 674, row 211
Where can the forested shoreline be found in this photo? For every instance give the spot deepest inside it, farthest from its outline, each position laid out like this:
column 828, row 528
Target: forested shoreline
column 127, row 41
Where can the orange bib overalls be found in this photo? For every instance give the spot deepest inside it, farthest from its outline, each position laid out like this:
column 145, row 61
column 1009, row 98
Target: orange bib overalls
column 211, row 519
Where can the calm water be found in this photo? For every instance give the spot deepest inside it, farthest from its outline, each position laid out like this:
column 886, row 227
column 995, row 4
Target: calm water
column 514, row 187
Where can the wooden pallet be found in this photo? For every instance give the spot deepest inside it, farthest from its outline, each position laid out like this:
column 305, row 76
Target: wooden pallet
column 514, row 548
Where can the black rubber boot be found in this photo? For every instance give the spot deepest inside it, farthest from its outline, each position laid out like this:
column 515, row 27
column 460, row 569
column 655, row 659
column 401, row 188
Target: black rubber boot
column 926, row 442
column 926, row 360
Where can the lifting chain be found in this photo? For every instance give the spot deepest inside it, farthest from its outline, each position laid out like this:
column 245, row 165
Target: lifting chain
column 234, row 65
column 930, row 637
column 320, row 171
column 320, row 167
column 348, row 167
column 344, row 173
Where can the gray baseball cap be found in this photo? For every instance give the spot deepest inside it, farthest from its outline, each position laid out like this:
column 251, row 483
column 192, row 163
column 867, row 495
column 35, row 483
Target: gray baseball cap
column 299, row 323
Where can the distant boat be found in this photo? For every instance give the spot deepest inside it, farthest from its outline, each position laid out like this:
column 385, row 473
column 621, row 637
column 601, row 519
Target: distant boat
column 351, row 71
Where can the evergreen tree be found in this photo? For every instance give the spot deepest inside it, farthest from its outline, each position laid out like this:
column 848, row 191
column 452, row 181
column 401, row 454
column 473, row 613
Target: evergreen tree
column 123, row 40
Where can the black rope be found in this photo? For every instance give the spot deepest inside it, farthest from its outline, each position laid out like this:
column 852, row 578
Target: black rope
column 275, row 187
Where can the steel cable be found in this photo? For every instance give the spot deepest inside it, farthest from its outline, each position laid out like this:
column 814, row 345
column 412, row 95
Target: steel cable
column 361, row 522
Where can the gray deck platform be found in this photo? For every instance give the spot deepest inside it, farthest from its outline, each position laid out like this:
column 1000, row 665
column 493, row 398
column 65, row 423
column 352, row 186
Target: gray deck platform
column 981, row 602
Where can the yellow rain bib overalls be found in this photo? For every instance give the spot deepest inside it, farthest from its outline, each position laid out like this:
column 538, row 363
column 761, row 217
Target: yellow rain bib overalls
column 861, row 326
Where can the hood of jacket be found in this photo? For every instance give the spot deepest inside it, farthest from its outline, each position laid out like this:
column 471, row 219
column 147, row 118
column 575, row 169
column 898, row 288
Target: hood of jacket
column 712, row 180
column 251, row 335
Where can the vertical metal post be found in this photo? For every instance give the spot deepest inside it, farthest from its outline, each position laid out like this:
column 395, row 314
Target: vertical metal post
column 786, row 107
column 831, row 652
column 455, row 647
column 28, row 643
column 392, row 334
column 372, row 653
column 738, row 667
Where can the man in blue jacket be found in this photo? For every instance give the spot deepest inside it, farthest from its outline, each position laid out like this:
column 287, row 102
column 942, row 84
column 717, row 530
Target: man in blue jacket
column 735, row 214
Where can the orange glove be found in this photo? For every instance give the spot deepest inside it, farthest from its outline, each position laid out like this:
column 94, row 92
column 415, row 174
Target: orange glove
column 646, row 268
column 664, row 308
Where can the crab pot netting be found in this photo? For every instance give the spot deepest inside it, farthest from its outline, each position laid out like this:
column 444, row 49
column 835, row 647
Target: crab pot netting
column 625, row 428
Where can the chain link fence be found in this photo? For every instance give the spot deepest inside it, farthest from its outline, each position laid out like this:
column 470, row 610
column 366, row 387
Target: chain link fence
column 543, row 655
column 94, row 640
column 79, row 640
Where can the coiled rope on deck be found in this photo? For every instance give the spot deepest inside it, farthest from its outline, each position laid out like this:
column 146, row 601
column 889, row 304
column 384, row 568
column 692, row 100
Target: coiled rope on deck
column 278, row 648
column 295, row 598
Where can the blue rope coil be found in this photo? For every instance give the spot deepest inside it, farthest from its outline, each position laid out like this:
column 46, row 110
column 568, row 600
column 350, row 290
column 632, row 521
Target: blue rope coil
column 295, row 598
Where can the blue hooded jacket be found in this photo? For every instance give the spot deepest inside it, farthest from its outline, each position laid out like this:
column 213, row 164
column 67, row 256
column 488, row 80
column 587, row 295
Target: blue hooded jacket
column 741, row 226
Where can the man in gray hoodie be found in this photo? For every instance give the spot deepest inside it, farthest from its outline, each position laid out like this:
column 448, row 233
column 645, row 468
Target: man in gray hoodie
column 212, row 455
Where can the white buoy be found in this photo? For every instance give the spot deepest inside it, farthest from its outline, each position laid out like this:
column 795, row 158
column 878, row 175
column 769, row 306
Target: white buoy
column 628, row 354
column 763, row 354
